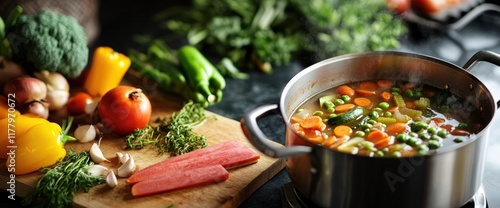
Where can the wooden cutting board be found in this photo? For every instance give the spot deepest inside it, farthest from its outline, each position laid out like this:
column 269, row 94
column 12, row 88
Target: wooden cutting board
column 241, row 184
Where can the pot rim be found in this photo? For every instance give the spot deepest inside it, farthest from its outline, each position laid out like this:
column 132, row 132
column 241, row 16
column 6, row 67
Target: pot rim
column 445, row 63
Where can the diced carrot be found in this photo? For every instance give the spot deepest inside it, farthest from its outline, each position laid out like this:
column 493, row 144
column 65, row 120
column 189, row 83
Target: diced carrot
column 329, row 141
column 384, row 142
column 410, row 105
column 295, row 119
column 429, row 93
column 362, row 101
column 396, row 128
column 386, row 96
column 366, row 92
column 447, row 127
column 338, row 142
column 438, row 121
column 316, row 140
column 345, row 90
column 342, row 131
column 344, row 107
column 376, row 135
column 312, row 122
column 368, row 85
column 393, row 109
column 385, row 83
column 297, row 127
column 175, row 179
column 407, row 86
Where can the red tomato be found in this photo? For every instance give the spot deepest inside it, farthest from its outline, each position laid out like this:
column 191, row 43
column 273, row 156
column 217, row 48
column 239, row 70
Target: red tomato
column 124, row 109
column 398, row 6
column 77, row 103
column 429, row 6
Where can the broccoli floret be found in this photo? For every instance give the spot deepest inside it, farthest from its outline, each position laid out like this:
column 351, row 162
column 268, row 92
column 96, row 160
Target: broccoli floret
column 49, row 41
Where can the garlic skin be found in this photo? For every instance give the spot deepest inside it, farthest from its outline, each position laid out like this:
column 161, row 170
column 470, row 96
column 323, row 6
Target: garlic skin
column 97, row 170
column 127, row 169
column 111, row 179
column 122, row 158
column 96, row 154
column 85, row 133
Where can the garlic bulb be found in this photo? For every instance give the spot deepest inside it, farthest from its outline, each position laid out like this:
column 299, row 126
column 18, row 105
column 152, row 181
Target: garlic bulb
column 111, row 179
column 85, row 133
column 97, row 170
column 96, row 154
column 127, row 168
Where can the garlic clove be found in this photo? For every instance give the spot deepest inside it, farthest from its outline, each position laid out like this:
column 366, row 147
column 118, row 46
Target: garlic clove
column 111, row 179
column 122, row 158
column 97, row 170
column 91, row 107
column 96, row 154
column 128, row 168
column 85, row 133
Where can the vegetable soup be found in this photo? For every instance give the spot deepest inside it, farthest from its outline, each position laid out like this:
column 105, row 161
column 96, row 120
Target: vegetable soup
column 386, row 118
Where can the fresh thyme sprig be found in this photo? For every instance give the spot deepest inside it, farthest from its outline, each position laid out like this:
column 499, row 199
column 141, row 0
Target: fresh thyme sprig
column 174, row 136
column 59, row 184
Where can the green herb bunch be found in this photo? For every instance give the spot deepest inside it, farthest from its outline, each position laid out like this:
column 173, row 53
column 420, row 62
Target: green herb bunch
column 175, row 136
column 59, row 184
column 273, row 32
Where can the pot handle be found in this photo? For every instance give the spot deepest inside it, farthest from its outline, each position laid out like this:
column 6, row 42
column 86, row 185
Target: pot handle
column 260, row 141
column 483, row 55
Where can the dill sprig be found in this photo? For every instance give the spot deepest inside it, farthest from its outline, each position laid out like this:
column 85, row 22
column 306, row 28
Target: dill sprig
column 174, row 136
column 59, row 184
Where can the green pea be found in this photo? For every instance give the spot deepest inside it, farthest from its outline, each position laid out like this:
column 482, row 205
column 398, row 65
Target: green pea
column 396, row 154
column 359, row 133
column 402, row 138
column 371, row 121
column 377, row 109
column 300, row 110
column 422, row 147
column 432, row 130
column 433, row 144
column 318, row 113
column 409, row 93
column 366, row 126
column 463, row 125
column 379, row 153
column 418, row 125
column 442, row 133
column 395, row 89
column 339, row 101
column 418, row 94
column 373, row 114
column 412, row 134
column 458, row 140
column 330, row 110
column 424, row 136
column 384, row 105
column 388, row 114
column 412, row 141
column 345, row 98
column 435, row 138
column 328, row 104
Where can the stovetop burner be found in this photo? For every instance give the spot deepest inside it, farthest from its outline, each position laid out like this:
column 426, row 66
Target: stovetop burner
column 291, row 199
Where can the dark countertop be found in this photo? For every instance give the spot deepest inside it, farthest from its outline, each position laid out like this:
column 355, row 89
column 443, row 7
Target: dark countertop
column 118, row 26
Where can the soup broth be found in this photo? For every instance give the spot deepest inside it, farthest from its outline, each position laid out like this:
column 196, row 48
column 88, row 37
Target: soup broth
column 386, row 118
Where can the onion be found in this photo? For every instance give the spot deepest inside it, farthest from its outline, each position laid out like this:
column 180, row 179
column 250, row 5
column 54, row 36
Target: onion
column 26, row 90
column 57, row 88
column 39, row 108
column 85, row 133
column 9, row 70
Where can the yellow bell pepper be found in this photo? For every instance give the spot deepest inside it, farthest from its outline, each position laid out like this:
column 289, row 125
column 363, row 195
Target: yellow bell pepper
column 41, row 146
column 13, row 128
column 106, row 71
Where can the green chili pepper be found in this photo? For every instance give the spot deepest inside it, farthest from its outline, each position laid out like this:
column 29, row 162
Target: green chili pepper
column 198, row 70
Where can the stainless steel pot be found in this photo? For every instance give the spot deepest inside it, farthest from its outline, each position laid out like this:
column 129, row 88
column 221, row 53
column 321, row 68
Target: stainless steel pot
column 326, row 178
